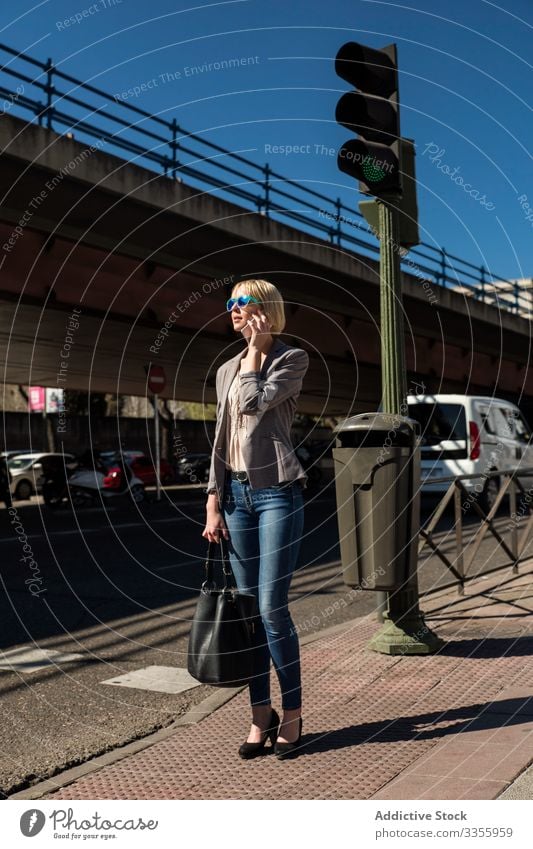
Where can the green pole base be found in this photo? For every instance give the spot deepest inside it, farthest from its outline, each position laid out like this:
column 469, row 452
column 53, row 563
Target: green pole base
column 406, row 635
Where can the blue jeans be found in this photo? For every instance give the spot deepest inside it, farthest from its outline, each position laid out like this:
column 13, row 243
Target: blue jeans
column 265, row 528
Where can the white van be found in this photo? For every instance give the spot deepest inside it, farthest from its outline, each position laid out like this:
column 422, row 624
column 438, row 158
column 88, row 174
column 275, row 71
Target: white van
column 467, row 435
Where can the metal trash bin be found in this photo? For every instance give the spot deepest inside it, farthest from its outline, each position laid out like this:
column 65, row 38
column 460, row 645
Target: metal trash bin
column 377, row 476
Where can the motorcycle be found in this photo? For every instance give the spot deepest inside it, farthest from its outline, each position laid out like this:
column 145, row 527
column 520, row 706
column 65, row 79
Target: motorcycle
column 82, row 485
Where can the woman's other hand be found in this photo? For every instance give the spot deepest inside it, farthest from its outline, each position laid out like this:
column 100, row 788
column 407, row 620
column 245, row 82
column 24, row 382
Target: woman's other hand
column 214, row 526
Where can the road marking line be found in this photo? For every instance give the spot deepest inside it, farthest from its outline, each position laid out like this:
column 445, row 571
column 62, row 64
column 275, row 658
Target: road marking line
column 28, row 659
column 49, row 534
column 177, row 565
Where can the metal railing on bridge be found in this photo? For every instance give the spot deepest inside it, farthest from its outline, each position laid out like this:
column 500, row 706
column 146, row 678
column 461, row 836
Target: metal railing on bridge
column 66, row 104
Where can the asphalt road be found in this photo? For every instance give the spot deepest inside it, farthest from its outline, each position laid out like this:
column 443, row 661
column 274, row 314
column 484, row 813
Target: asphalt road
column 118, row 587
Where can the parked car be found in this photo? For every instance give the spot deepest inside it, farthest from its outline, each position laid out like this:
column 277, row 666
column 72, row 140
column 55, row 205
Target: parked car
column 142, row 466
column 144, row 469
column 129, row 454
column 471, row 435
column 27, row 470
column 9, row 454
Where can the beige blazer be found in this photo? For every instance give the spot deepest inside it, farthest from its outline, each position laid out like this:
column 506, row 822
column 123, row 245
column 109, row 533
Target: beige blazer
column 268, row 397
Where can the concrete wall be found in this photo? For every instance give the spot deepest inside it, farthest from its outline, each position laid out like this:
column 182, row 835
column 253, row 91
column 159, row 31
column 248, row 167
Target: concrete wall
column 31, row 432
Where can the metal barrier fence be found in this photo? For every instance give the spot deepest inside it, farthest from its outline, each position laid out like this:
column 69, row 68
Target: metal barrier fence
column 509, row 484
column 66, row 104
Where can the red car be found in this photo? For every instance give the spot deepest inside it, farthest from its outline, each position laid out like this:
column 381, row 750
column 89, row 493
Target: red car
column 144, row 469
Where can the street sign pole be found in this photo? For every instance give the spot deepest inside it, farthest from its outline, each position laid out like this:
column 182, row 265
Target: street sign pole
column 157, row 449
column 404, row 630
column 156, row 384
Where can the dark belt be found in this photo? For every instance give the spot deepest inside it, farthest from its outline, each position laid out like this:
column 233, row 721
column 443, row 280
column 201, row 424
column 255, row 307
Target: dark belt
column 242, row 477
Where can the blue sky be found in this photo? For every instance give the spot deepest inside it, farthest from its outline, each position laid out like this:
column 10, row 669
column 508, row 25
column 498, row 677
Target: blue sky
column 465, row 88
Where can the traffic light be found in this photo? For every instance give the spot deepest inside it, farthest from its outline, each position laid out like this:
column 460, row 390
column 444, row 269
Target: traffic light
column 373, row 112
column 407, row 206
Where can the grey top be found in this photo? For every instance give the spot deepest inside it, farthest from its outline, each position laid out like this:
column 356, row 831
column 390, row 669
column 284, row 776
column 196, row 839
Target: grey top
column 268, row 398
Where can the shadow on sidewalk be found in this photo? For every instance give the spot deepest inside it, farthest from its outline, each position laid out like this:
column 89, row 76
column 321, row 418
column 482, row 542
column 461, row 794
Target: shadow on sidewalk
column 465, row 719
column 442, row 723
column 472, row 606
column 487, row 647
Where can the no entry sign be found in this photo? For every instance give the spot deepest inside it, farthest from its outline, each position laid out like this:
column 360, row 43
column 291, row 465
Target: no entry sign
column 156, row 379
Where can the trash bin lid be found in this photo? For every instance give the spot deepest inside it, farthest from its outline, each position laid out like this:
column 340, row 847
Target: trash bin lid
column 382, row 423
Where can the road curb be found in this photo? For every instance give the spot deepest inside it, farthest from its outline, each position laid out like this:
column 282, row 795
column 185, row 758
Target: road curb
column 194, row 715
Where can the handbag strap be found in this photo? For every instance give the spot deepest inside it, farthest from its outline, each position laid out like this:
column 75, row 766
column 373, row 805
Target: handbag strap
column 226, row 567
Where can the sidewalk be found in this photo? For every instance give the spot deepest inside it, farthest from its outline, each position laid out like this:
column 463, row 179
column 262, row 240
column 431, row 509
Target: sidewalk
column 456, row 725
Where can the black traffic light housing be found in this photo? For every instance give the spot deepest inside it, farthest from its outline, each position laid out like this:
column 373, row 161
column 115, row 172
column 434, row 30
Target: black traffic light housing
column 373, row 112
column 407, row 206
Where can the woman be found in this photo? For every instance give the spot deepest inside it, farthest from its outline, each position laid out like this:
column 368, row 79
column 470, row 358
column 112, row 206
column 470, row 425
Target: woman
column 255, row 499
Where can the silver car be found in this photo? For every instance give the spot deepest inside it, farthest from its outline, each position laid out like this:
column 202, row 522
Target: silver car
column 26, row 472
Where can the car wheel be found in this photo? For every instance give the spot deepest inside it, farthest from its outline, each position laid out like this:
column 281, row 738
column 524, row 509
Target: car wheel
column 23, row 491
column 489, row 494
column 137, row 493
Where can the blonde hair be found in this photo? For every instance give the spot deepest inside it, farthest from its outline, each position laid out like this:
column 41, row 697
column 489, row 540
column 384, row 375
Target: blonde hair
column 271, row 300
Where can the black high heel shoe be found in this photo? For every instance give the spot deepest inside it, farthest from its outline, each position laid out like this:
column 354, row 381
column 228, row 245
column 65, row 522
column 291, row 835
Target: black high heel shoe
column 286, row 750
column 250, row 750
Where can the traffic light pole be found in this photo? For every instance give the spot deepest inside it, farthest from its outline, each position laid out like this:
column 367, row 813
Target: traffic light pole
column 404, row 630
column 393, row 375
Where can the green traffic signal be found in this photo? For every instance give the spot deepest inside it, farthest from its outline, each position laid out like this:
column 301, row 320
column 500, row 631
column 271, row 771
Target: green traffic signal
column 376, row 165
column 407, row 207
column 372, row 172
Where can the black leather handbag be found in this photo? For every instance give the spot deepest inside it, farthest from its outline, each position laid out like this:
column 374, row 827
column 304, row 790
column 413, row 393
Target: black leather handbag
column 220, row 643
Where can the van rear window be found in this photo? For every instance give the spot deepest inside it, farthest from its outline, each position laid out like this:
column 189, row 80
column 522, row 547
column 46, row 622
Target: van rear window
column 439, row 422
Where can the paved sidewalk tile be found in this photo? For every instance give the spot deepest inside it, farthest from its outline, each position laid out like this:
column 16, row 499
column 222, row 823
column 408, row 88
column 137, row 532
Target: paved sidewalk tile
column 454, row 725
column 430, row 787
column 460, row 759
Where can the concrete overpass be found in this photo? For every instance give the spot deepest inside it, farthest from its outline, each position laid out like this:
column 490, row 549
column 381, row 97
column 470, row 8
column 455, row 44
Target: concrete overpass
column 99, row 254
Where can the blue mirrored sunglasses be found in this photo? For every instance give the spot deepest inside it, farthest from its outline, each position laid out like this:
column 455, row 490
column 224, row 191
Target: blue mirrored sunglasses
column 241, row 301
